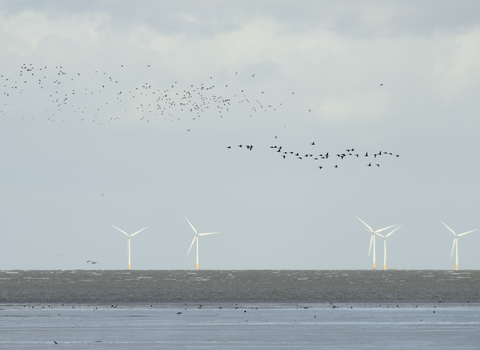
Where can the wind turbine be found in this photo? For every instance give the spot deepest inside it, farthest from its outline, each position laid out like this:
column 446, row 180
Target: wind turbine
column 455, row 244
column 130, row 236
column 372, row 239
column 385, row 246
column 196, row 238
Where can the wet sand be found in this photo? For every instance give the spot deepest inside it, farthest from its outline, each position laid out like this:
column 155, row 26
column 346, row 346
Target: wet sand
column 240, row 326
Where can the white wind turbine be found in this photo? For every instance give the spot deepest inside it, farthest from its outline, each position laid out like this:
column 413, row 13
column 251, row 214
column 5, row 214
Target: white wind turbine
column 385, row 246
column 196, row 238
column 372, row 239
column 455, row 243
column 130, row 236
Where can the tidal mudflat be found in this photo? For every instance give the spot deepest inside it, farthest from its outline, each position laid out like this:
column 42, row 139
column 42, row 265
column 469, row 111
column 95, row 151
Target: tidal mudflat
column 240, row 326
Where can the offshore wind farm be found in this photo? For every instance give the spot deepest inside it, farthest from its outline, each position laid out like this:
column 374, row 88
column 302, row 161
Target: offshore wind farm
column 372, row 246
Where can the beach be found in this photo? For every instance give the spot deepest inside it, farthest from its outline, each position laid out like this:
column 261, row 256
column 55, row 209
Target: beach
column 240, row 326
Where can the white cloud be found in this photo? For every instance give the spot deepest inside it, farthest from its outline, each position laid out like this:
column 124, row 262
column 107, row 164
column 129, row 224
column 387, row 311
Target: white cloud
column 32, row 27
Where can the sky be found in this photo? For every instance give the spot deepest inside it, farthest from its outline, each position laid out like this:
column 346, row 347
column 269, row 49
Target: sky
column 131, row 114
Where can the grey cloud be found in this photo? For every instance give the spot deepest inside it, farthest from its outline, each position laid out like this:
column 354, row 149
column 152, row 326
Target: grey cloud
column 208, row 18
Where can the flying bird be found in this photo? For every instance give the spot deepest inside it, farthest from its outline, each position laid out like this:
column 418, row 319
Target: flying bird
column 93, row 262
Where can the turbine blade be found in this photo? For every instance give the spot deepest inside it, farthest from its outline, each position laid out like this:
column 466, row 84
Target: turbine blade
column 453, row 246
column 378, row 234
column 210, row 233
column 449, row 228
column 191, row 245
column 393, row 231
column 133, row 234
column 192, row 226
column 463, row 234
column 382, row 229
column 122, row 231
column 369, row 249
column 371, row 230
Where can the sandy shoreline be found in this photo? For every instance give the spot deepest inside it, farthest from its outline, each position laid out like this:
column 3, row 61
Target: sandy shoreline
column 241, row 326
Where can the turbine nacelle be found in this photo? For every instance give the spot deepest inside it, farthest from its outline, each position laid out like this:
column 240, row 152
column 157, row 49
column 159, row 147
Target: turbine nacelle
column 133, row 234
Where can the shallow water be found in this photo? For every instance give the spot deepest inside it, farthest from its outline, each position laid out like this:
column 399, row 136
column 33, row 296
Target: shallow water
column 246, row 286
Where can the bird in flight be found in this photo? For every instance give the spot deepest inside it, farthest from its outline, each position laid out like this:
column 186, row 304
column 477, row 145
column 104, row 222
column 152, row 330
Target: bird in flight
column 93, row 262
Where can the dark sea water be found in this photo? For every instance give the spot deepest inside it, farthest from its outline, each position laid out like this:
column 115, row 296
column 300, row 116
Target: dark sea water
column 247, row 286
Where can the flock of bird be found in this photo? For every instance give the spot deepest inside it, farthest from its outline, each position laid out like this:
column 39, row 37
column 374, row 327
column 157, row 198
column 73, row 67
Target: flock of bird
column 103, row 97
column 336, row 156
column 58, row 94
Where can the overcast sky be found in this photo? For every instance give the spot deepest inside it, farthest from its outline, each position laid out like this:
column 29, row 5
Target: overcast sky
column 121, row 113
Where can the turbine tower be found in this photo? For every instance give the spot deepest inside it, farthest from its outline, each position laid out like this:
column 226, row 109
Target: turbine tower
column 130, row 236
column 372, row 239
column 196, row 238
column 455, row 243
column 385, row 246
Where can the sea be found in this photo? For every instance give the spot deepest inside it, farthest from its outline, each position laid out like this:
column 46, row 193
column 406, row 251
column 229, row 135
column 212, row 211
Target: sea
column 238, row 286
